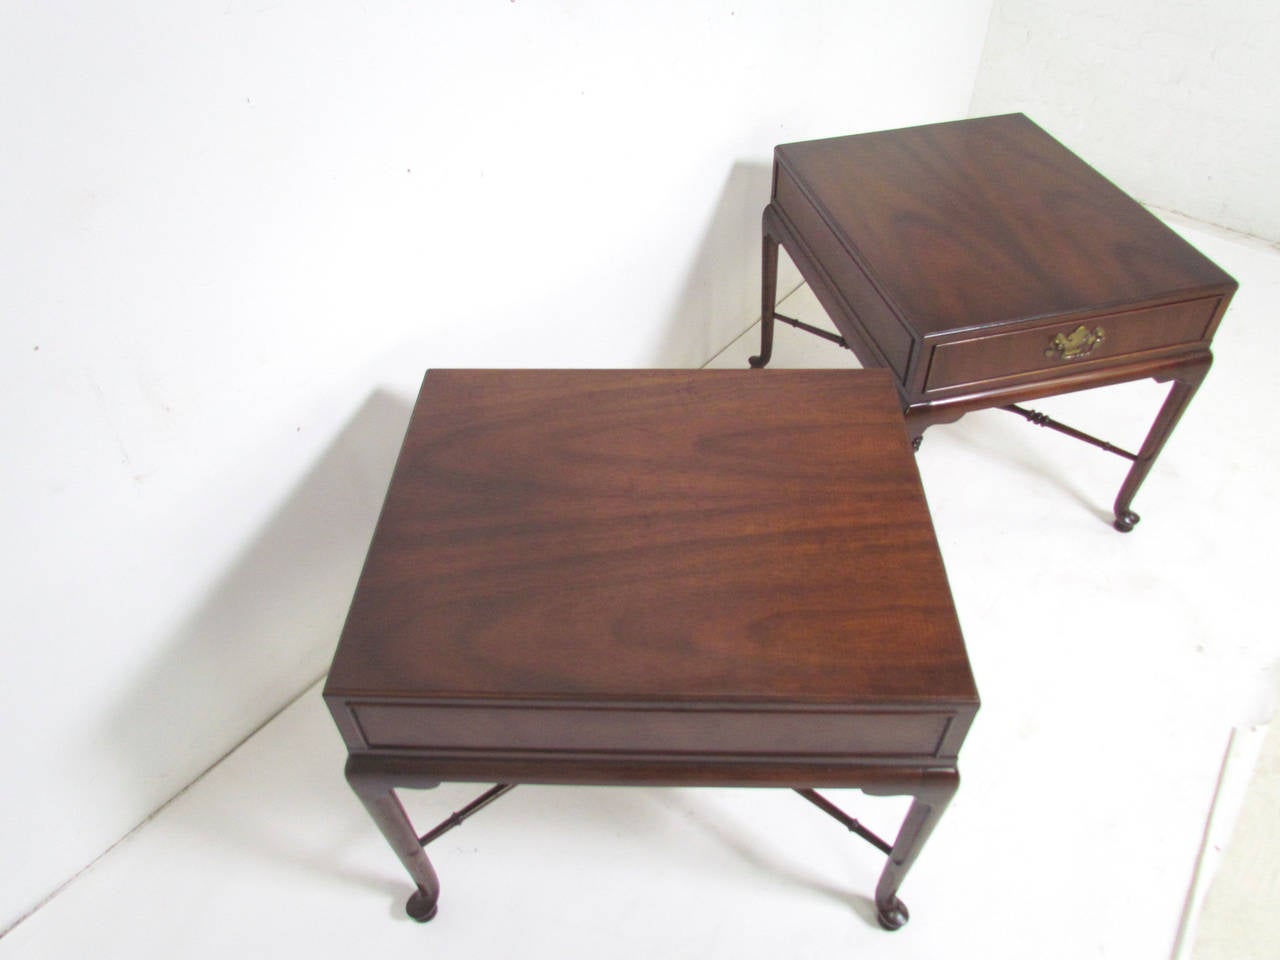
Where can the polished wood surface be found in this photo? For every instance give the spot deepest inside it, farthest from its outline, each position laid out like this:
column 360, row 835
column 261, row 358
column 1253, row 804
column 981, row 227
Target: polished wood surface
column 985, row 264
column 654, row 536
column 654, row 577
column 987, row 222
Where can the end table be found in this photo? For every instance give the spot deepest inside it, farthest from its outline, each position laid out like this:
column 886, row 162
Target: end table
column 984, row 264
column 706, row 578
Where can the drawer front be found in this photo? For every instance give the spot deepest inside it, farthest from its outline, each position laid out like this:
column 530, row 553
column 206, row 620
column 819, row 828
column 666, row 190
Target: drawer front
column 651, row 732
column 1065, row 345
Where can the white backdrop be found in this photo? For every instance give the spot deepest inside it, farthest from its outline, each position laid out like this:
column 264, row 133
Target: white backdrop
column 235, row 233
column 1175, row 100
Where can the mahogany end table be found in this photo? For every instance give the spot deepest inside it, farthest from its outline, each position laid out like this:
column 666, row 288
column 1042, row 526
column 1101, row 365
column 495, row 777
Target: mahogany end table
column 707, row 578
column 985, row 264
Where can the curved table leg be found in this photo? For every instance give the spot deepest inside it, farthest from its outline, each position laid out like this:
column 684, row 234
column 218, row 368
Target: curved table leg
column 1186, row 381
column 379, row 798
column 768, row 292
column 929, row 800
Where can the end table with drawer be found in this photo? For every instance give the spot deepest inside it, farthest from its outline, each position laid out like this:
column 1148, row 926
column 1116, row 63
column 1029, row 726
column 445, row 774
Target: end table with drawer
column 985, row 265
column 697, row 578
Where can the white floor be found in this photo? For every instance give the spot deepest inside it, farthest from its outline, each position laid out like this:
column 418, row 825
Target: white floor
column 1113, row 670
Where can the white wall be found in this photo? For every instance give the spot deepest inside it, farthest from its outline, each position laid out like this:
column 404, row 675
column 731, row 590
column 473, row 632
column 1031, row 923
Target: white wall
column 1175, row 100
column 235, row 234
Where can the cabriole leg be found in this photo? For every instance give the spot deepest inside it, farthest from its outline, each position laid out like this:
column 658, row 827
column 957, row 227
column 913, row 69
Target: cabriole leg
column 380, row 799
column 926, row 808
column 768, row 295
column 1185, row 384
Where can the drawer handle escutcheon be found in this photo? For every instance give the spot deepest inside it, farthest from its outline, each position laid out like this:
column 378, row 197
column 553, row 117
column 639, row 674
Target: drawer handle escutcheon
column 1080, row 342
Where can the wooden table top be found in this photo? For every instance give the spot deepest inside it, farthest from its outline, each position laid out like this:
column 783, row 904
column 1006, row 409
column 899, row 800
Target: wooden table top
column 654, row 537
column 1013, row 225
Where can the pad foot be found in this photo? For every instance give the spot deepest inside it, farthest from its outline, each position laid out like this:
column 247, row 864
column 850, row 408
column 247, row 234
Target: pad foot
column 895, row 917
column 421, row 907
column 1126, row 521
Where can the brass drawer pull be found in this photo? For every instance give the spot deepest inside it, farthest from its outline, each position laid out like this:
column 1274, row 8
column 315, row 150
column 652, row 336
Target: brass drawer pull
column 1078, row 343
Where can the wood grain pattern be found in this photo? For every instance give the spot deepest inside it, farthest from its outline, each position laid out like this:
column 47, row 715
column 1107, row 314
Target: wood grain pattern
column 1022, row 354
column 654, row 537
column 990, row 221
column 653, row 577
column 954, row 254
